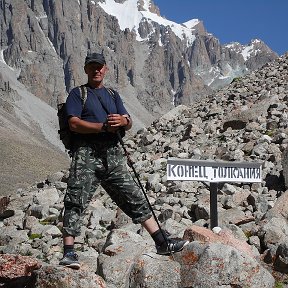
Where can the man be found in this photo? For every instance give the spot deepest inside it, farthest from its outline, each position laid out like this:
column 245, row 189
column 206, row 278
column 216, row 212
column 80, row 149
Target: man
column 98, row 159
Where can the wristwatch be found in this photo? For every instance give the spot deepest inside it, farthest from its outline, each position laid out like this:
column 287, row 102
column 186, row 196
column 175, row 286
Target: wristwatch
column 104, row 127
column 128, row 119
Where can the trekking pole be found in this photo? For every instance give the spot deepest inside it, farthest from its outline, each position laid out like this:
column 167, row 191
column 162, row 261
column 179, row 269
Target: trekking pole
column 130, row 162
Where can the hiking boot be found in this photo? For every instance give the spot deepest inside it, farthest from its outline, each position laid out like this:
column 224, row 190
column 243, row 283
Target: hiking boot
column 70, row 259
column 174, row 245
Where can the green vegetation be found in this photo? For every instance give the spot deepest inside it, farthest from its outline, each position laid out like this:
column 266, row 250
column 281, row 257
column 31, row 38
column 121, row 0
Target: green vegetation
column 236, row 79
column 248, row 234
column 26, row 253
column 270, row 133
column 279, row 285
column 44, row 222
column 35, row 236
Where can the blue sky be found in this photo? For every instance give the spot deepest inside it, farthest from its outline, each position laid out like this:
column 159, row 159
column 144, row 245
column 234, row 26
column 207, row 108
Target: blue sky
column 235, row 21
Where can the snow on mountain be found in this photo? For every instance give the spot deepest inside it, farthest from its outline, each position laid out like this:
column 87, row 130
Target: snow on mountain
column 129, row 16
column 246, row 50
column 191, row 23
column 251, row 49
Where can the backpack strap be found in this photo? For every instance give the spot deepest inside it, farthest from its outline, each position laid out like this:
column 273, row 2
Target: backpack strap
column 111, row 92
column 83, row 94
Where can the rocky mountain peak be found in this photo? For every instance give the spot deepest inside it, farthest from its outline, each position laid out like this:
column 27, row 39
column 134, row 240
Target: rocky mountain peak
column 148, row 5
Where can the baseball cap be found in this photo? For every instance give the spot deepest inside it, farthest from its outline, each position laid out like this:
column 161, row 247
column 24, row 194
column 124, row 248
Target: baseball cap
column 95, row 58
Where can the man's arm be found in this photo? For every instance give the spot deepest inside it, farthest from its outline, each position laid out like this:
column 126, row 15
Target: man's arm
column 114, row 122
column 84, row 127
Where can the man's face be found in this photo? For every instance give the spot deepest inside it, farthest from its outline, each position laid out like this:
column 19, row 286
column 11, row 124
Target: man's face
column 95, row 72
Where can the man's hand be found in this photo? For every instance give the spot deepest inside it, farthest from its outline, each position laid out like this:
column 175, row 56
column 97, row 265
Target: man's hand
column 116, row 120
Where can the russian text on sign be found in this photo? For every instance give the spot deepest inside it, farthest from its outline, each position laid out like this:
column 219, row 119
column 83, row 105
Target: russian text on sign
column 213, row 171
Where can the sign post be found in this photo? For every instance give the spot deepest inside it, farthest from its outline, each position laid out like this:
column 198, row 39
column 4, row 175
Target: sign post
column 213, row 205
column 213, row 172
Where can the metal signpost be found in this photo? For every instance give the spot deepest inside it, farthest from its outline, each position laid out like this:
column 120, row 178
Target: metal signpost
column 213, row 172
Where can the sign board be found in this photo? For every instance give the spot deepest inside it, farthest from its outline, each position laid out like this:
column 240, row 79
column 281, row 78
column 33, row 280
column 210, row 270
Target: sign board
column 213, row 171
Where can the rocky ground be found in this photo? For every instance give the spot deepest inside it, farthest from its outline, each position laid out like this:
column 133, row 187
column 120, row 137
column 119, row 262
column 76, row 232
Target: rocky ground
column 246, row 121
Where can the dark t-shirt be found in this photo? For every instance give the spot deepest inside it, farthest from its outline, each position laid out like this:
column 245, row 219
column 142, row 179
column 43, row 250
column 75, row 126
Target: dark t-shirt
column 93, row 110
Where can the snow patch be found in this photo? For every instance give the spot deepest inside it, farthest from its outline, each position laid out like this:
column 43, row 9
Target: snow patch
column 191, row 23
column 130, row 17
column 41, row 16
column 245, row 50
column 249, row 51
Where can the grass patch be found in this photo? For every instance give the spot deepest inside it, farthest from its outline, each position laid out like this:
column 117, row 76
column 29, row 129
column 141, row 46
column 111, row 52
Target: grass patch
column 35, row 236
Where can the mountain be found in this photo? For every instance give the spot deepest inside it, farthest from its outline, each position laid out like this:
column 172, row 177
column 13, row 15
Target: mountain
column 154, row 63
column 216, row 64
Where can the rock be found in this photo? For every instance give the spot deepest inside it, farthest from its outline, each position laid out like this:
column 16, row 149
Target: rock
column 151, row 271
column 121, row 250
column 280, row 208
column 56, row 276
column 16, row 270
column 47, row 197
column 233, row 216
column 273, row 232
column 215, row 265
column 55, row 177
column 281, row 257
column 4, row 213
column 100, row 215
column 196, row 233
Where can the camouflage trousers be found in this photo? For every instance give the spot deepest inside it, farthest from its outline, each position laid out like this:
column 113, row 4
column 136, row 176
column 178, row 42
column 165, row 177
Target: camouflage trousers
column 91, row 167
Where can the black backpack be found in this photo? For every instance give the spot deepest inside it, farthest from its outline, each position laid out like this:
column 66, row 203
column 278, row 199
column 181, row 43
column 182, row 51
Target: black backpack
column 65, row 134
column 64, row 131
